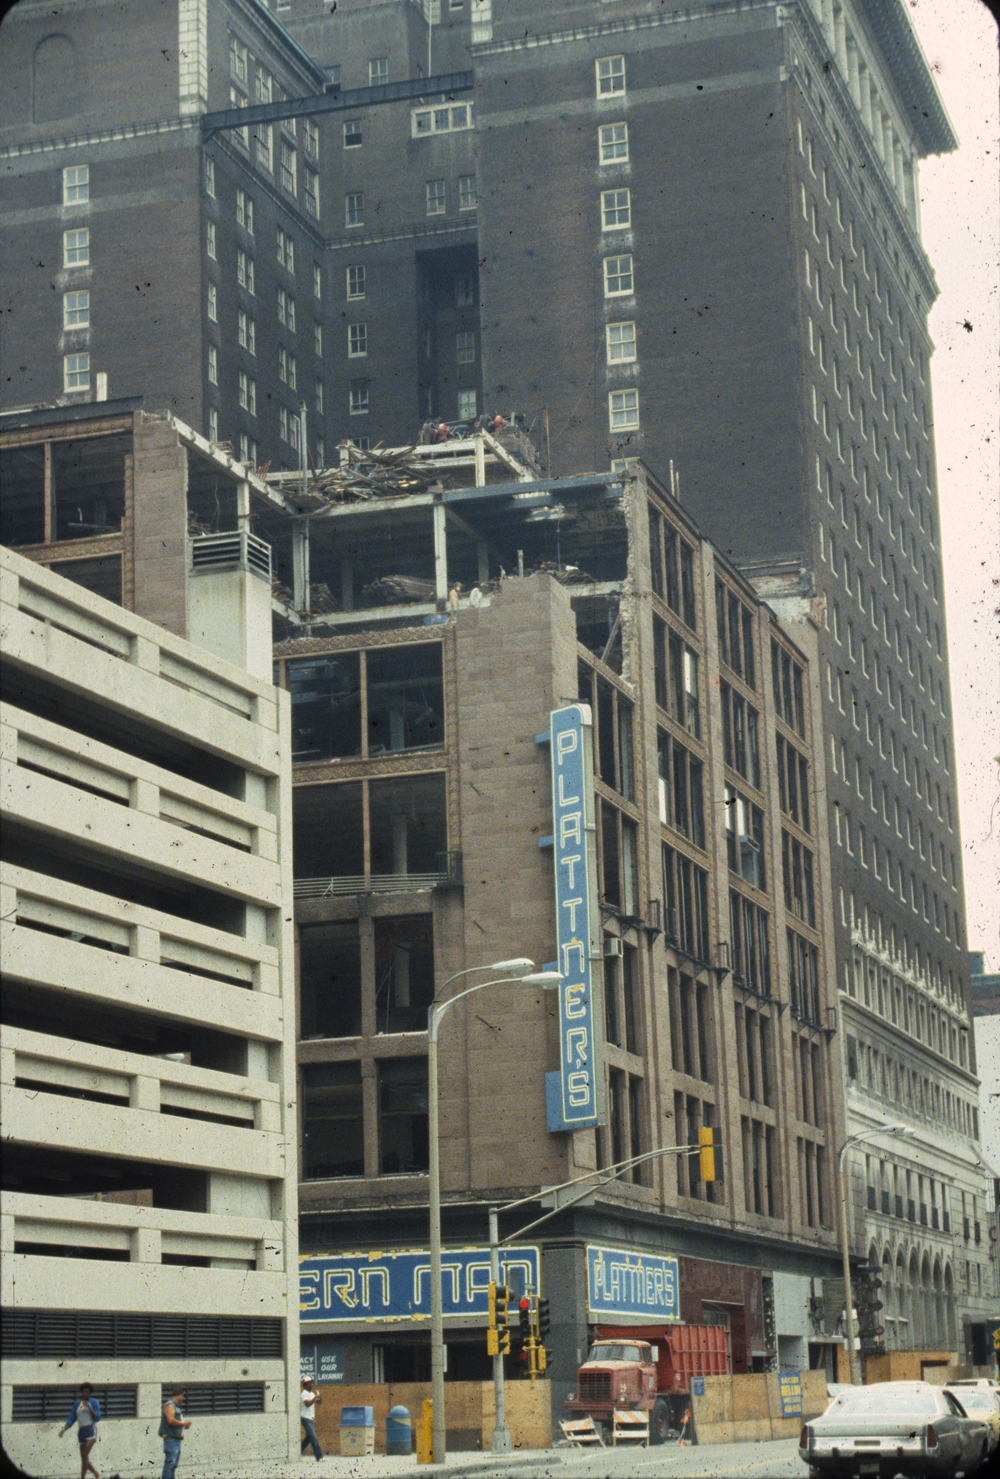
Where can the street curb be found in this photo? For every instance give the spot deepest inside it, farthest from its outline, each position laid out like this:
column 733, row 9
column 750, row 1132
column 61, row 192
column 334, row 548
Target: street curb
column 512, row 1465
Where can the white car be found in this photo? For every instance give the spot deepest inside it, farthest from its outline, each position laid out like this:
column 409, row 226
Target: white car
column 894, row 1427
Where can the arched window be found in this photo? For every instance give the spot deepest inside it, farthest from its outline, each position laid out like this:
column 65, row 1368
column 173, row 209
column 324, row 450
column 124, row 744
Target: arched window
column 54, row 79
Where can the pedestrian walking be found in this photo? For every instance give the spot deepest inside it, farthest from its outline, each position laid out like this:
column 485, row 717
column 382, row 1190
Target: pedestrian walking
column 306, row 1410
column 173, row 1426
column 86, row 1413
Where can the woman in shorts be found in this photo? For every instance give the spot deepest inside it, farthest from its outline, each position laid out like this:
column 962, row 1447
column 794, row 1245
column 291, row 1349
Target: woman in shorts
column 86, row 1413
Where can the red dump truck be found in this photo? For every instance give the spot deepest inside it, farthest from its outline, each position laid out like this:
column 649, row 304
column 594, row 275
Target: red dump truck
column 647, row 1369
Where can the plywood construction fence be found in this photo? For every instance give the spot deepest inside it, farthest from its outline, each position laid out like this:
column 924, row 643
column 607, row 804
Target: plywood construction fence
column 737, row 1409
column 469, row 1412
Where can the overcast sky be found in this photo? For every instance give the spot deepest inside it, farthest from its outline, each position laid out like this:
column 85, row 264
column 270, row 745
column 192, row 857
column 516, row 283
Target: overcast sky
column 961, row 230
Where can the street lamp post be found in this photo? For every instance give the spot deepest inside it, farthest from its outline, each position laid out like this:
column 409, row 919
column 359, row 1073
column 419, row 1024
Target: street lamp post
column 859, row 1138
column 517, row 970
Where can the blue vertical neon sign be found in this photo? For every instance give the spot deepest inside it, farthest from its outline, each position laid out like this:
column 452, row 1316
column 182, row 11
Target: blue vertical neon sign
column 575, row 1093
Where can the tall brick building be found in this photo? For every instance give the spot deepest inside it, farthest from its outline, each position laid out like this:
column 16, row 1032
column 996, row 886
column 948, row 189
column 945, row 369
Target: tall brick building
column 687, row 235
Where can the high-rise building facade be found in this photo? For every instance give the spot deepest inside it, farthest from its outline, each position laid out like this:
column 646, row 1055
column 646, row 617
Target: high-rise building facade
column 687, row 235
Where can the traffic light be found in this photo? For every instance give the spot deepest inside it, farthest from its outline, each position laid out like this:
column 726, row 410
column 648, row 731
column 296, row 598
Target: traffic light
column 524, row 1321
column 543, row 1323
column 866, row 1286
column 710, row 1154
column 498, row 1336
column 499, row 1300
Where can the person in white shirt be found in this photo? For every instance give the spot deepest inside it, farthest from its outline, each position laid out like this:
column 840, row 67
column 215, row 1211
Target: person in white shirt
column 306, row 1410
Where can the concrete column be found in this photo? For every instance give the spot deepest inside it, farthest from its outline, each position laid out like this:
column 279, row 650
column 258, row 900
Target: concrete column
column 852, row 71
column 899, row 172
column 865, row 90
column 440, row 557
column 300, row 566
column 243, row 505
column 144, row 1093
column 147, row 1245
column 826, row 21
column 840, row 39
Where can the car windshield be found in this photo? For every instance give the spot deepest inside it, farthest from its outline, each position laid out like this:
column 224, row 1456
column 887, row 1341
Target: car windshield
column 878, row 1399
column 615, row 1353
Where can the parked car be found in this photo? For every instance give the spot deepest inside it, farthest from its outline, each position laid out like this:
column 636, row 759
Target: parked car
column 894, row 1427
column 980, row 1401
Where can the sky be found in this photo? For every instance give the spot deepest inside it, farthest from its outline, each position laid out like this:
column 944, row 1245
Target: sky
column 960, row 218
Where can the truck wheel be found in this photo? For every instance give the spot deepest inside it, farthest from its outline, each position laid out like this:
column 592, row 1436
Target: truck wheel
column 659, row 1422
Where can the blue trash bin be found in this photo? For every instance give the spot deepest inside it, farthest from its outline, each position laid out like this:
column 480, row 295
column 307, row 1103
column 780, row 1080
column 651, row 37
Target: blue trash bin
column 398, row 1431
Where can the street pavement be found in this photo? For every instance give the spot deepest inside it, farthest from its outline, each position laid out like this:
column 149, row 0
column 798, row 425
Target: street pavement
column 762, row 1460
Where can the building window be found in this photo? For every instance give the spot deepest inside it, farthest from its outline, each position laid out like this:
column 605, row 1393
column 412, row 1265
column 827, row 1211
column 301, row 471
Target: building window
column 213, row 425
column 310, row 139
column 435, row 190
column 213, row 365
column 333, row 1139
column 285, row 246
column 237, row 59
column 403, row 1144
column 354, row 208
column 247, row 332
column 378, row 71
column 319, row 396
column 616, row 210
column 248, row 450
column 454, row 119
column 310, row 191
column 76, row 372
column 288, row 167
column 238, row 99
column 352, row 134
column 320, row 452
column 76, row 310
column 76, row 247
column 617, row 276
column 212, row 302
column 286, row 310
column 210, row 177
column 610, row 75
column 76, row 183
column 286, row 367
column 263, row 146
column 358, row 398
column 318, row 340
column 620, row 343
column 465, row 290
column 465, row 347
column 210, row 240
column 467, row 192
column 357, row 340
column 317, row 282
column 244, row 271
column 244, row 211
column 248, row 392
column 613, row 140
column 466, row 405
column 623, row 409
column 356, row 281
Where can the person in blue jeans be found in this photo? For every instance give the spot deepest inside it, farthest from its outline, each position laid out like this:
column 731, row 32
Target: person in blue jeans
column 306, row 1415
column 173, row 1425
column 86, row 1413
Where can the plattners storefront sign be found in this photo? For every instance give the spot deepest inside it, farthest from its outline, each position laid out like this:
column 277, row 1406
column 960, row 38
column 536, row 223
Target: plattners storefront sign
column 621, row 1282
column 575, row 1092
